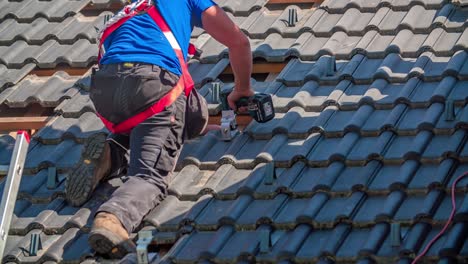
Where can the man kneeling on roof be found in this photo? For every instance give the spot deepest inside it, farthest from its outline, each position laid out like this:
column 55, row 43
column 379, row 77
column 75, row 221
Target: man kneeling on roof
column 143, row 93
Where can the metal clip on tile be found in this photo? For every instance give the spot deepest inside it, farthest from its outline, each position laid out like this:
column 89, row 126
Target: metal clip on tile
column 144, row 239
column 35, row 244
column 292, row 18
column 215, row 90
column 331, row 66
column 52, row 178
column 449, row 110
column 395, row 234
column 270, row 173
column 265, row 241
column 10, row 192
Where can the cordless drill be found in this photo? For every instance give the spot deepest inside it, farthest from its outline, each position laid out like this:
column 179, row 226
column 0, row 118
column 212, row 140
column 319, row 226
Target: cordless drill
column 259, row 106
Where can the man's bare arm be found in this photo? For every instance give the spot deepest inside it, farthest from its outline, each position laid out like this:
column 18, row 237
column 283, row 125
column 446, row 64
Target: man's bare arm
column 223, row 29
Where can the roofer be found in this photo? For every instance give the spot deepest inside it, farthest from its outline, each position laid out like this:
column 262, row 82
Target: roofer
column 140, row 92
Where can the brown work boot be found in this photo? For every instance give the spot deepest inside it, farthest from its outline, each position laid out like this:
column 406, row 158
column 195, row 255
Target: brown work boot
column 94, row 166
column 108, row 236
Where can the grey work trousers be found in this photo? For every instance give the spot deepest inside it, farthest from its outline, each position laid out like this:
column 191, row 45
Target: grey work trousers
column 151, row 149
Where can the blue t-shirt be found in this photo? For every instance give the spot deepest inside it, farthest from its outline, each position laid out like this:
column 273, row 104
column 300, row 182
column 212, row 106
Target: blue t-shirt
column 140, row 40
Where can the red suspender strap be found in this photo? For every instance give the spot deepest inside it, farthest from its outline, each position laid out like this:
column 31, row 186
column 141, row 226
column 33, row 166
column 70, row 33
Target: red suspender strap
column 156, row 16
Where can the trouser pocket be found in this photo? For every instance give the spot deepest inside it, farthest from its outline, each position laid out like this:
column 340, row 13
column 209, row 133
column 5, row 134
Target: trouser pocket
column 119, row 93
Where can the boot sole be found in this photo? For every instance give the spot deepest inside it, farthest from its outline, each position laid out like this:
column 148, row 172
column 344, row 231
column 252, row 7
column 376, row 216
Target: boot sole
column 106, row 242
column 80, row 183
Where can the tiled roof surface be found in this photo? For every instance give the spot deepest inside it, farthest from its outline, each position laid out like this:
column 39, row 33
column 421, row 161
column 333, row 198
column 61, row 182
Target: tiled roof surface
column 358, row 151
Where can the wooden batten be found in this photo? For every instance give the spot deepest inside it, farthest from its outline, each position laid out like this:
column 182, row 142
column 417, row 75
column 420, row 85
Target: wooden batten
column 261, row 68
column 69, row 70
column 23, row 123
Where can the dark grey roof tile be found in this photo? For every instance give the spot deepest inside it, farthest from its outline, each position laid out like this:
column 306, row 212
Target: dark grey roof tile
column 7, row 144
column 262, row 211
column 274, row 48
column 66, row 31
column 371, row 208
column 172, row 212
column 444, row 208
column 34, row 187
column 75, row 107
column 285, row 178
column 407, row 43
column 313, row 245
column 403, row 147
column 189, row 181
column 203, row 73
column 374, row 44
column 241, row 8
column 353, row 243
column 340, row 5
column 354, row 22
column 76, row 128
column 362, row 152
column 407, row 172
column 432, row 174
column 219, row 212
column 419, row 18
column 63, row 156
column 444, row 145
column 80, row 54
column 54, row 10
column 374, row 241
column 52, row 218
column 287, row 244
column 242, row 244
column 308, row 46
column 70, row 245
column 457, row 19
column 355, row 178
column 47, row 91
column 338, row 236
column 348, row 208
column 9, row 77
column 308, row 179
column 301, row 210
column 461, row 169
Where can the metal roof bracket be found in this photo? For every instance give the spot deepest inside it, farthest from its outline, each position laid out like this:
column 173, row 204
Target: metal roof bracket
column 215, row 90
column 449, row 110
column 265, row 241
column 35, row 244
column 292, row 18
column 144, row 239
column 395, row 234
column 52, row 178
column 270, row 173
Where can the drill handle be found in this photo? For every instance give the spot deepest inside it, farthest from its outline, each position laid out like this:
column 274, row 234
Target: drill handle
column 242, row 102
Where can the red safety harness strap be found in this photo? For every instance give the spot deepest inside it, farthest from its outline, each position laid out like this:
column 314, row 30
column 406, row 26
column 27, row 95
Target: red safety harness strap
column 185, row 80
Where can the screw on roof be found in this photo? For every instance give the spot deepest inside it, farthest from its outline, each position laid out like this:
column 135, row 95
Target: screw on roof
column 330, row 65
column 449, row 110
column 395, row 234
column 52, row 178
column 292, row 18
column 270, row 173
column 35, row 244
column 215, row 89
